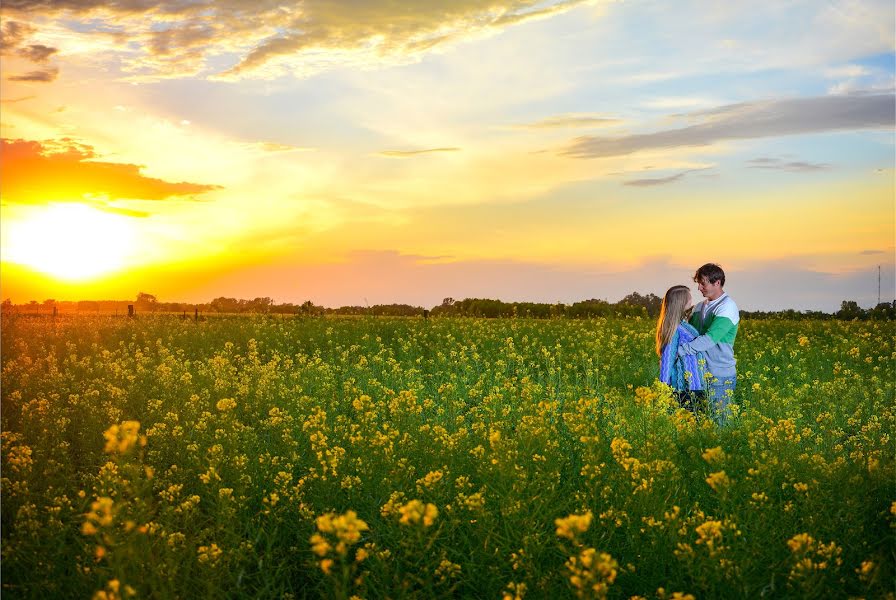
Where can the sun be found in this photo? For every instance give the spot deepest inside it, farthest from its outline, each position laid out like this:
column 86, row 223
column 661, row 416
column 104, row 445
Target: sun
column 73, row 242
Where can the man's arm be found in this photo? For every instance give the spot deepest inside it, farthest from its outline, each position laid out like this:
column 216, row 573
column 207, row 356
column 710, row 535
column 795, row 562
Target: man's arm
column 720, row 327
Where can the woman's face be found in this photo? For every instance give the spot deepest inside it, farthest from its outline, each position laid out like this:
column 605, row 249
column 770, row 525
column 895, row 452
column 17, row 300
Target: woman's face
column 690, row 303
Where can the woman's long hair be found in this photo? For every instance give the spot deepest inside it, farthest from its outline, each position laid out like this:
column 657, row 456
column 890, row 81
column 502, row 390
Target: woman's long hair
column 675, row 308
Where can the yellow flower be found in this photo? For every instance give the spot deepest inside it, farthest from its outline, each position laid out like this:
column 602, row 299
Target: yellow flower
column 429, row 480
column 326, row 565
column 415, row 511
column 226, row 404
column 800, row 542
column 121, row 438
column 447, row 570
column 591, row 573
column 866, row 571
column 718, row 481
column 319, row 545
column 515, row 591
column 709, row 532
column 714, row 455
column 209, row 554
column 571, row 526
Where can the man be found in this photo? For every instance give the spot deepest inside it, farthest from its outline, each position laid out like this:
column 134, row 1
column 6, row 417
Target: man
column 716, row 319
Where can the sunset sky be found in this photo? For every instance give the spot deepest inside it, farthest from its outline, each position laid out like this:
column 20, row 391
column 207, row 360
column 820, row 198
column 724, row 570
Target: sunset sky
column 351, row 152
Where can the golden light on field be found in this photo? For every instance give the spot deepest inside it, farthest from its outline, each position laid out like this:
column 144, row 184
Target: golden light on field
column 73, row 242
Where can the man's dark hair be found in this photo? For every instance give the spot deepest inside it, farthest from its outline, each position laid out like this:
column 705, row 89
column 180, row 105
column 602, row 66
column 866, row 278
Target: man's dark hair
column 712, row 272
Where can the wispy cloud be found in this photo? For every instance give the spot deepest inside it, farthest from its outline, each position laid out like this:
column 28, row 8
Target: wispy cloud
column 870, row 252
column 76, row 175
column 39, row 76
column 776, row 164
column 654, row 181
column 278, row 147
column 14, row 100
column 409, row 153
column 750, row 120
column 582, row 121
column 269, row 37
column 683, row 102
column 649, row 182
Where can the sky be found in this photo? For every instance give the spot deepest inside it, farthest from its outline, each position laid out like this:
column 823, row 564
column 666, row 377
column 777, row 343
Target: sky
column 355, row 152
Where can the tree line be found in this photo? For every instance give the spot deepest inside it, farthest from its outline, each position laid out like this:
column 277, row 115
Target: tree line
column 633, row 305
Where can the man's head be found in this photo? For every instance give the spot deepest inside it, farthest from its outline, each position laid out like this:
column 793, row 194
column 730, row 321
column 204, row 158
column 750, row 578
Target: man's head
column 710, row 278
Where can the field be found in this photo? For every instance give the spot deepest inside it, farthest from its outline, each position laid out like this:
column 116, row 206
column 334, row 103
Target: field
column 408, row 458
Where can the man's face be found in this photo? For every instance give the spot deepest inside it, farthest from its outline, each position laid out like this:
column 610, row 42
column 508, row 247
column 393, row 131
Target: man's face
column 710, row 291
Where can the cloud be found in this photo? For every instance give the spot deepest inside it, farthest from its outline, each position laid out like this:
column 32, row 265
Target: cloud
column 34, row 172
column 751, row 120
column 14, row 100
column 653, row 181
column 409, row 153
column 12, row 37
column 277, row 147
column 656, row 181
column 776, row 164
column 870, row 252
column 41, row 76
column 36, row 52
column 571, row 120
column 155, row 38
column 12, row 34
column 846, row 71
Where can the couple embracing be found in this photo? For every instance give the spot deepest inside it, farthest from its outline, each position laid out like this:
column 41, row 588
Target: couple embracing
column 696, row 344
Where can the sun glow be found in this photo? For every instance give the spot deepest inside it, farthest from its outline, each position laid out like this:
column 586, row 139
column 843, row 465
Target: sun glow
column 73, row 242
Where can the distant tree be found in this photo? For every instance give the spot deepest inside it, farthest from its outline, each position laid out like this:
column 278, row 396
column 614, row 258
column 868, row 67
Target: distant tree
column 308, row 308
column 849, row 310
column 224, row 305
column 146, row 302
column 651, row 303
column 883, row 311
column 261, row 305
column 88, row 306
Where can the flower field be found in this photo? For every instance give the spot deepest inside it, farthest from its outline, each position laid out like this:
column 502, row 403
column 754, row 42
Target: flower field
column 408, row 458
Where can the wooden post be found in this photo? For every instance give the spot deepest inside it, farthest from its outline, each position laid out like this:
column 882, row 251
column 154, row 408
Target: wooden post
column 425, row 314
column 196, row 315
column 131, row 311
column 55, row 312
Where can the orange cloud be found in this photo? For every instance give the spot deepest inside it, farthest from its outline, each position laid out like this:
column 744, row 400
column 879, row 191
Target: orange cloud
column 157, row 39
column 64, row 170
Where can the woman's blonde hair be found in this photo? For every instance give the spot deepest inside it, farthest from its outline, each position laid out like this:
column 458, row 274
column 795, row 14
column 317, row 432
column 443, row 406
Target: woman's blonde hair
column 675, row 308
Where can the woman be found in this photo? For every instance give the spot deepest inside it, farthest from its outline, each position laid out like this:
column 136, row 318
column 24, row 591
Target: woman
column 684, row 374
